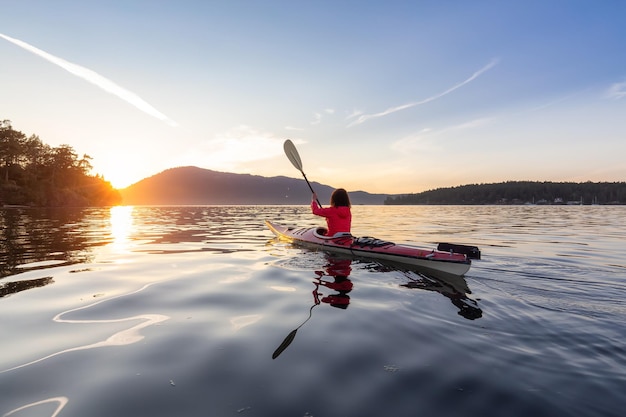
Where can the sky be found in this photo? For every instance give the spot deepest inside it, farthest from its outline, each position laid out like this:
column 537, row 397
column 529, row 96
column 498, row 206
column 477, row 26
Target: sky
column 380, row 96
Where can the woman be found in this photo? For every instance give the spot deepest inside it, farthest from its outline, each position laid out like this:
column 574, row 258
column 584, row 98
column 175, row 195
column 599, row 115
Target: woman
column 338, row 216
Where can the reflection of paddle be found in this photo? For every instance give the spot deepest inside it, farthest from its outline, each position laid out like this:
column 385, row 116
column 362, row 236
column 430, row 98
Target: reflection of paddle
column 294, row 157
column 291, row 336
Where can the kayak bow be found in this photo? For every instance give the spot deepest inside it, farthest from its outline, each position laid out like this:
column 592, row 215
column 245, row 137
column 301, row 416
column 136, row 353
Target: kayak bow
column 450, row 262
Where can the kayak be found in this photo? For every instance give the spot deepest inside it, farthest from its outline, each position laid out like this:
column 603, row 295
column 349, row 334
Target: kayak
column 447, row 258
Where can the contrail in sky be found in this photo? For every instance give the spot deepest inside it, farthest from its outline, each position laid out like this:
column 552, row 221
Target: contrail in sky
column 95, row 78
column 390, row 110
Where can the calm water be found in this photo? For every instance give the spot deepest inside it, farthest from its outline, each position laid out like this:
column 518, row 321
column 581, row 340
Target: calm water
column 178, row 311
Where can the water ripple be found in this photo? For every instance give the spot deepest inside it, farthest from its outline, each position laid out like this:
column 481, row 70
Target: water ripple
column 62, row 402
column 121, row 338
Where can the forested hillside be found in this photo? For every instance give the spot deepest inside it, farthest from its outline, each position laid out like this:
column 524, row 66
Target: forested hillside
column 35, row 174
column 520, row 192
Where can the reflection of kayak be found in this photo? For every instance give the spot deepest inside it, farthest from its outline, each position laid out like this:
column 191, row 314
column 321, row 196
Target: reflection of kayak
column 453, row 287
column 450, row 262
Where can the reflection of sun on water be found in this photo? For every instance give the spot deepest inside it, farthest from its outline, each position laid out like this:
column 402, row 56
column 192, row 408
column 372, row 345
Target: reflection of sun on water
column 121, row 226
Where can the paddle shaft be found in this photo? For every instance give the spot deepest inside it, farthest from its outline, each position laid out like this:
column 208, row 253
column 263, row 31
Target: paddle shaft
column 294, row 157
column 311, row 188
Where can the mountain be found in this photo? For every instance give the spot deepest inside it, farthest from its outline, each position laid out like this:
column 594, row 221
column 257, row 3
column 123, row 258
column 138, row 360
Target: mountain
column 198, row 186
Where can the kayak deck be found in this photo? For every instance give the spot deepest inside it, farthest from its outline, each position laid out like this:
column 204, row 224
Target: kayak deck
column 367, row 247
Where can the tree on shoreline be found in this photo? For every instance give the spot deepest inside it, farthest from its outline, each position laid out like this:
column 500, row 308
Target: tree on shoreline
column 33, row 173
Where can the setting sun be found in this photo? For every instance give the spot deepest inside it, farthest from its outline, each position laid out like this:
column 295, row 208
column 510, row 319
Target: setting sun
column 118, row 182
column 120, row 174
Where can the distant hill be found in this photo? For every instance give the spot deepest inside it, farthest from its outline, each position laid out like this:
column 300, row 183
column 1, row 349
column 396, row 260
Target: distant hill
column 198, row 186
column 519, row 192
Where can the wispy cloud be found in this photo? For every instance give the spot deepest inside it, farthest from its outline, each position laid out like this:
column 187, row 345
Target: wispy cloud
column 96, row 79
column 424, row 140
column 550, row 103
column 354, row 114
column 236, row 148
column 617, row 91
column 298, row 129
column 365, row 117
column 417, row 142
column 317, row 117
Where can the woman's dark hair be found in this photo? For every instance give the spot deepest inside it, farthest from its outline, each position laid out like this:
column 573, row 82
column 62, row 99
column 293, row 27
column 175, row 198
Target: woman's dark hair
column 340, row 198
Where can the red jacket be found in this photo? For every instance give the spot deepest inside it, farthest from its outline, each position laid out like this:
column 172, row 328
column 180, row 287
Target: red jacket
column 338, row 219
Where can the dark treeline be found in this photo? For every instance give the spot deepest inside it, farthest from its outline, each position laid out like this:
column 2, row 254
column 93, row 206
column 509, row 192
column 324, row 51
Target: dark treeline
column 33, row 173
column 520, row 192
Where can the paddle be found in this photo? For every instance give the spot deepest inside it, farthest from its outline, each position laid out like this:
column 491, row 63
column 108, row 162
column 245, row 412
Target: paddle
column 294, row 157
column 291, row 336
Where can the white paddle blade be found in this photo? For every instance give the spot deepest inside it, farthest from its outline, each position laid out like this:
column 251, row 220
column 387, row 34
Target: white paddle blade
column 292, row 154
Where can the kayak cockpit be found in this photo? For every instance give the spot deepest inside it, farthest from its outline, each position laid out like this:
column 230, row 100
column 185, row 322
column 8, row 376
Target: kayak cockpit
column 320, row 233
